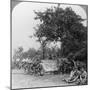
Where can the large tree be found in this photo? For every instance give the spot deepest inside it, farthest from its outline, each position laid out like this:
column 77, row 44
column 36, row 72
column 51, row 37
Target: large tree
column 64, row 25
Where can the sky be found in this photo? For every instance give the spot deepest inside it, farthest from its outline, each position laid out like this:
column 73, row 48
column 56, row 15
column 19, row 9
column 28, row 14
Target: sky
column 23, row 23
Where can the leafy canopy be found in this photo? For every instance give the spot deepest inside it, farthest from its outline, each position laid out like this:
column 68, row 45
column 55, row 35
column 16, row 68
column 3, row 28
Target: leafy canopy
column 64, row 25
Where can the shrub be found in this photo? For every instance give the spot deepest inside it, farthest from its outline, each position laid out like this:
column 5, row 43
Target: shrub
column 65, row 66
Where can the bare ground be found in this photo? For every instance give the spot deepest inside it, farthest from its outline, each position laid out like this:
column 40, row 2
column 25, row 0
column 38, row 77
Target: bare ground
column 22, row 80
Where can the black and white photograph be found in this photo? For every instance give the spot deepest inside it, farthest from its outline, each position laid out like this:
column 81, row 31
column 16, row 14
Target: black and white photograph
column 49, row 44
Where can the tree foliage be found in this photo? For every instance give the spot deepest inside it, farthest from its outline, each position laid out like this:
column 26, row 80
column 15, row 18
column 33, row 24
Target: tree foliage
column 64, row 25
column 30, row 53
column 18, row 53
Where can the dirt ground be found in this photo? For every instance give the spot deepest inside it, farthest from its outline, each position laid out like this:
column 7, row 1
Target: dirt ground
column 22, row 80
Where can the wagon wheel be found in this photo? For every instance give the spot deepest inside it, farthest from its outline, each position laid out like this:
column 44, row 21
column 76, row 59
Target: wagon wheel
column 42, row 71
column 31, row 69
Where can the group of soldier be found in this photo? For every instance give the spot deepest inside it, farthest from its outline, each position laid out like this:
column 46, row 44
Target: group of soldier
column 32, row 68
column 77, row 76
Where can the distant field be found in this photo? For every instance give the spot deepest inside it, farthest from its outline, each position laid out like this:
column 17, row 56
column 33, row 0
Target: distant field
column 22, row 80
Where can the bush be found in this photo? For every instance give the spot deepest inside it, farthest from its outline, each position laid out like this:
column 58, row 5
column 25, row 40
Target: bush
column 80, row 65
column 65, row 66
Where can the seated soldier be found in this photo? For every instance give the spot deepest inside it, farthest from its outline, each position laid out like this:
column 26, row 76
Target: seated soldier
column 74, row 75
column 83, row 77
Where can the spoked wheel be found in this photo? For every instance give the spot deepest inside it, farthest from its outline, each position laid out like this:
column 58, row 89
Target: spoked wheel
column 42, row 71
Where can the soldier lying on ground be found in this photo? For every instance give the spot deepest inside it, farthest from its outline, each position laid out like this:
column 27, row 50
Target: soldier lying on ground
column 74, row 75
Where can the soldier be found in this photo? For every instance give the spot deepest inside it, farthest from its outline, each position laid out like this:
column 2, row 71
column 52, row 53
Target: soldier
column 74, row 75
column 83, row 77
